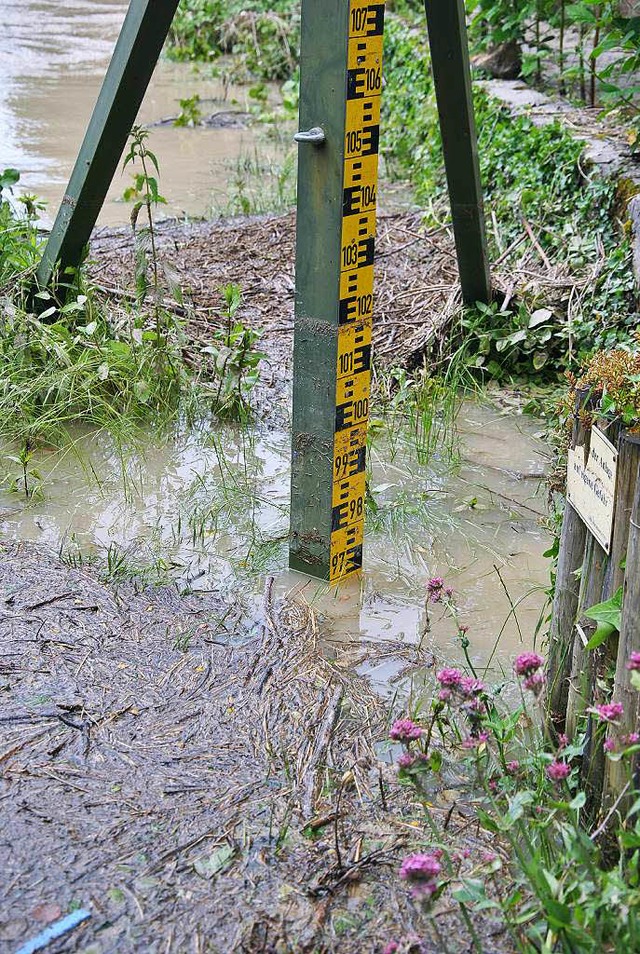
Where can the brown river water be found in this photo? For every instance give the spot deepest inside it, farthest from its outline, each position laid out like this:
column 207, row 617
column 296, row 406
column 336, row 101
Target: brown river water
column 53, row 57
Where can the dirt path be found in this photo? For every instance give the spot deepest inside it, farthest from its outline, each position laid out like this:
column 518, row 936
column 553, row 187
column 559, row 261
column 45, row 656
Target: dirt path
column 199, row 778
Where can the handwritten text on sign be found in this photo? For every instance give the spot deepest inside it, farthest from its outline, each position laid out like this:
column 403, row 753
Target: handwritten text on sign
column 591, row 486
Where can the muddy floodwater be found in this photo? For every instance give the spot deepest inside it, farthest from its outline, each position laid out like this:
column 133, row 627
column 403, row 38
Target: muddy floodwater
column 213, row 508
column 53, row 57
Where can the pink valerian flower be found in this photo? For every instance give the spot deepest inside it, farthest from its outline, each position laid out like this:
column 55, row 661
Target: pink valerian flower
column 558, row 771
column 527, row 663
column 513, row 767
column 449, row 678
column 435, row 589
column 634, row 661
column 614, row 745
column 445, row 695
column 448, row 592
column 488, row 857
column 471, row 686
column 405, row 761
column 473, row 741
column 534, row 683
column 405, row 730
column 609, row 712
column 422, row 871
column 391, row 948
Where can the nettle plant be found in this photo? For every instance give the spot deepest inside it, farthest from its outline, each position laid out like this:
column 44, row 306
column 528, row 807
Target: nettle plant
column 557, row 881
column 233, row 360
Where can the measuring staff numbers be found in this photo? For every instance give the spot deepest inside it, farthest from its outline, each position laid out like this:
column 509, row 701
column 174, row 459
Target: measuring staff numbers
column 355, row 310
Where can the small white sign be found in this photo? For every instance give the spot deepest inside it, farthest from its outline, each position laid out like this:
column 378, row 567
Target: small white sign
column 591, row 486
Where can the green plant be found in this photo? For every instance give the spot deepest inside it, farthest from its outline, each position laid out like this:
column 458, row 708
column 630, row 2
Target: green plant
column 421, row 406
column 30, row 481
column 190, row 113
column 76, row 361
column 501, row 21
column 145, row 195
column 535, row 190
column 233, row 360
column 509, row 342
column 264, row 38
column 19, row 242
column 194, row 32
column 259, row 186
column 551, row 877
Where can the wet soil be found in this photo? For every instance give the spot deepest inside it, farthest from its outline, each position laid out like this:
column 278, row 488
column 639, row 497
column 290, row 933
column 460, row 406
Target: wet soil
column 198, row 777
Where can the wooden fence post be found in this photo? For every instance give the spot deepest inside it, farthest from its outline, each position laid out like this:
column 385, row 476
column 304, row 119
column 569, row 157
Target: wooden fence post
column 566, row 597
column 593, row 572
column 565, row 607
column 629, row 639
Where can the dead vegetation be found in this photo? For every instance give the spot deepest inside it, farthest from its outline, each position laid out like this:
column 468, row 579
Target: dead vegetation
column 416, row 278
column 227, row 797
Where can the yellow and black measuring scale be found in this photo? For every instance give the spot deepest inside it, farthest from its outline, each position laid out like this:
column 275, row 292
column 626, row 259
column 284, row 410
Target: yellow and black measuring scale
column 340, row 93
column 355, row 310
column 338, row 184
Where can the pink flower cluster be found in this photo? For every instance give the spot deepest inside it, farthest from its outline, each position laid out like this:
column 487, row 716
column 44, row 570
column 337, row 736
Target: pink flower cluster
column 405, row 730
column 557, row 771
column 452, row 680
column 467, row 692
column 527, row 665
column 473, row 741
column 407, row 761
column 609, row 712
column 634, row 661
column 613, row 745
column 422, row 871
column 436, row 590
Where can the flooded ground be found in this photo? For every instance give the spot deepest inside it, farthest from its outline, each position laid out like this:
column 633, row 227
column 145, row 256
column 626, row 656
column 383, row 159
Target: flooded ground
column 53, row 58
column 213, row 511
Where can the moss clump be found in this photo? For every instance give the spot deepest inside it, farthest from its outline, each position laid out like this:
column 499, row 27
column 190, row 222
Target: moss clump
column 610, row 384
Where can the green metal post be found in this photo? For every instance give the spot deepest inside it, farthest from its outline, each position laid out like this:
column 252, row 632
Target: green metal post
column 452, row 77
column 139, row 45
column 341, row 82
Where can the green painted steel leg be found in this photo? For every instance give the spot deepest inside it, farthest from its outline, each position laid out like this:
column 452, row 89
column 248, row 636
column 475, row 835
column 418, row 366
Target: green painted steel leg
column 139, row 45
column 323, row 70
column 452, row 77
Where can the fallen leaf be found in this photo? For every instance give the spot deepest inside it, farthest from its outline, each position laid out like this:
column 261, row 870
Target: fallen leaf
column 47, row 912
column 208, row 866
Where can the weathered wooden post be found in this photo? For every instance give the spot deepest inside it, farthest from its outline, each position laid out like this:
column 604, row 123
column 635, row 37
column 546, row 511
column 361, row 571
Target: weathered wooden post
column 629, row 639
column 341, row 83
column 452, row 78
column 581, row 677
column 603, row 493
column 566, row 598
column 144, row 31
